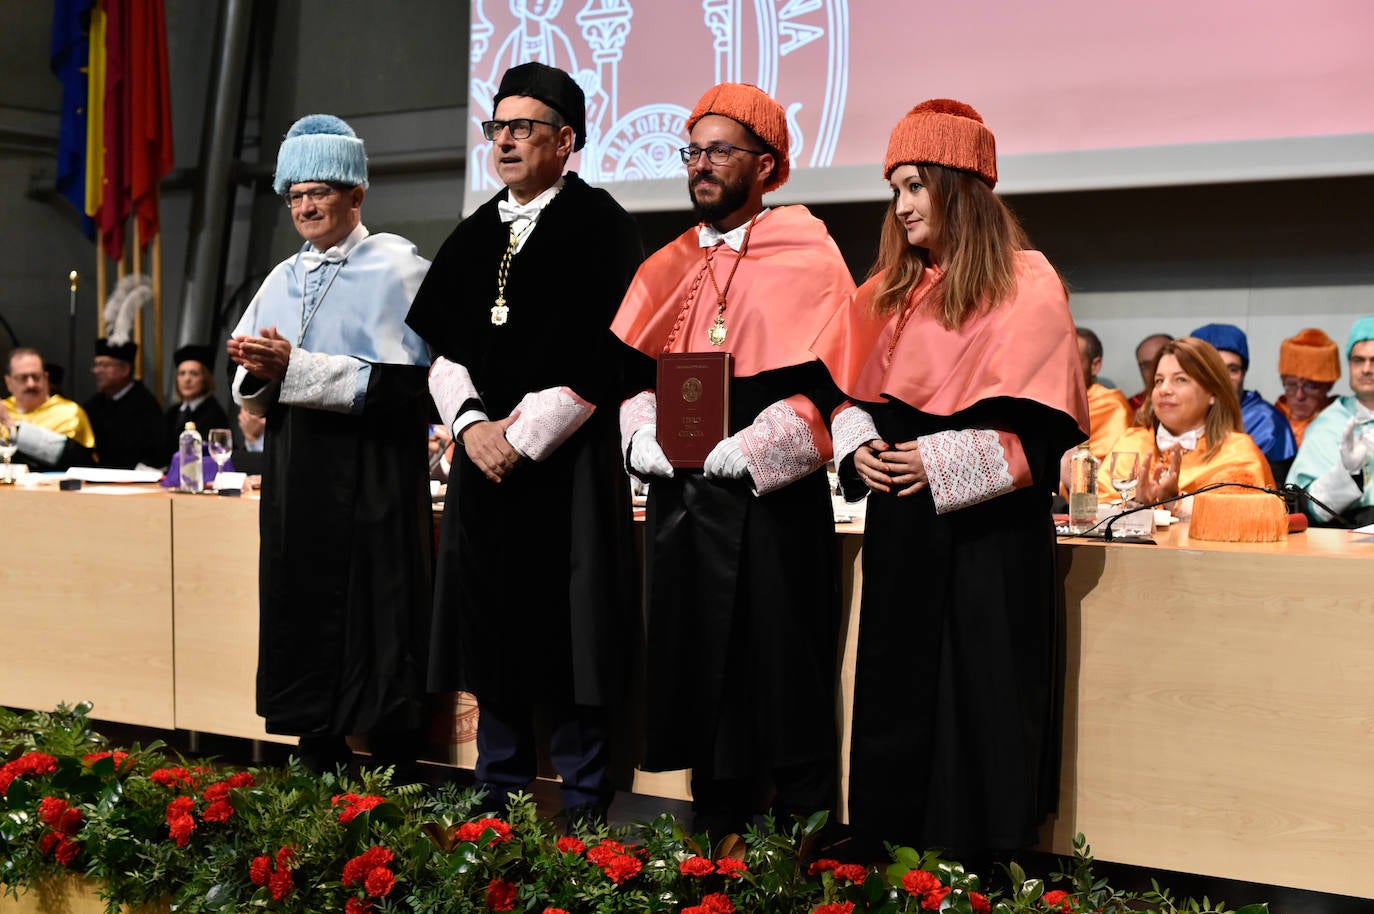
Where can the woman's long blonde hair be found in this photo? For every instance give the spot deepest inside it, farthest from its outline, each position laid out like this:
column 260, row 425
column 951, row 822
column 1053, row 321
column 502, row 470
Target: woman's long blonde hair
column 978, row 239
column 1203, row 364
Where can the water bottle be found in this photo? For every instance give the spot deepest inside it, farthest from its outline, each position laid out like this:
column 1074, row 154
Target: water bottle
column 188, row 455
column 1082, row 489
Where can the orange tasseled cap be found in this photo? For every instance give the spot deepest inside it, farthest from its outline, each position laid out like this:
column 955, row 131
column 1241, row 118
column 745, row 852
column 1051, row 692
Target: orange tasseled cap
column 1248, row 517
column 1312, row 355
column 943, row 132
column 755, row 109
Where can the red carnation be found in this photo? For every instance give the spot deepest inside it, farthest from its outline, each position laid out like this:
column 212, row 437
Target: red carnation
column 66, row 852
column 357, row 869
column 570, row 845
column 932, row 900
column 731, row 868
column 601, row 854
column 697, row 866
column 260, row 869
column 379, row 882
column 280, row 884
column 695, row 909
column 171, row 777
column 181, row 806
column 554, row 911
column 471, row 831
column 180, row 830
column 919, row 882
column 980, row 903
column 1058, row 898
column 50, row 810
column 501, row 895
column 852, row 872
column 718, row 903
column 355, row 805
column 823, row 865
column 242, row 779
column 218, row 811
column 842, row 907
column 357, row 906
column 70, row 823
column 48, row 842
column 622, row 867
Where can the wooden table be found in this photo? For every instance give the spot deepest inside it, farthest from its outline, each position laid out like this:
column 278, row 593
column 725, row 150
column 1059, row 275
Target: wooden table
column 1219, row 698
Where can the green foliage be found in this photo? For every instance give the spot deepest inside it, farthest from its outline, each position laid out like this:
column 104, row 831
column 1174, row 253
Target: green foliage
column 149, row 827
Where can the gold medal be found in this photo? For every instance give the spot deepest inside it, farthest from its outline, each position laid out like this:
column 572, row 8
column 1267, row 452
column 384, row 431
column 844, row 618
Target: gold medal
column 717, row 332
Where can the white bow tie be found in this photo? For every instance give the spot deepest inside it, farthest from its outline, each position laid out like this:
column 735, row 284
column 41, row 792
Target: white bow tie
column 1187, row 441
column 314, row 259
column 511, row 211
column 711, row 236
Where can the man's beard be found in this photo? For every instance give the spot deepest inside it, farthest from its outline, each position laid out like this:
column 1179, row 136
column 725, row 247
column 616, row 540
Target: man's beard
column 733, row 196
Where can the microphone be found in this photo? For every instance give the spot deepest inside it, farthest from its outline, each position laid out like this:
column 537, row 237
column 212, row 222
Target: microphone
column 1301, row 497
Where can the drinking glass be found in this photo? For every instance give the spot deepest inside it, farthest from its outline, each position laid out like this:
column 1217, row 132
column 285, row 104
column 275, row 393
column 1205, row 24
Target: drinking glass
column 221, row 445
column 1122, row 469
column 9, row 445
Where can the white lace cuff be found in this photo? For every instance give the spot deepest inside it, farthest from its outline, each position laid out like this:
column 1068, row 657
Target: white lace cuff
column 781, row 448
column 547, row 419
column 451, row 386
column 1336, row 488
column 42, row 444
column 337, row 383
column 640, row 411
column 851, row 429
column 964, row 467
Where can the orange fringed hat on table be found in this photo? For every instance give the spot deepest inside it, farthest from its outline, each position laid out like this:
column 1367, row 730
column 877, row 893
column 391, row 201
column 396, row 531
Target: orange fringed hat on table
column 755, row 109
column 944, row 132
column 1247, row 517
column 1312, row 355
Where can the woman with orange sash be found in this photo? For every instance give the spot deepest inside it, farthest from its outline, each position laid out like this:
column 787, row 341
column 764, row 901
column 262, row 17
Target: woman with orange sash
column 1192, row 435
column 960, row 361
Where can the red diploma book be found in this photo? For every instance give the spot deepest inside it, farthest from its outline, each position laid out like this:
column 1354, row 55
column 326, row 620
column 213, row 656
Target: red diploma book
column 693, row 405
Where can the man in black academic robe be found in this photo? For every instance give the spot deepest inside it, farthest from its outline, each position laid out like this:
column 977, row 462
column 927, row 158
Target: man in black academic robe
column 345, row 520
column 124, row 414
column 535, row 589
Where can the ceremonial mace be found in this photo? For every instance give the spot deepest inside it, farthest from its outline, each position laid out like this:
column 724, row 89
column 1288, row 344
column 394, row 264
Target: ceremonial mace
column 71, row 330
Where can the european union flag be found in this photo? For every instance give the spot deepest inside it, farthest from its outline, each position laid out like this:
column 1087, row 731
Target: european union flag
column 69, row 57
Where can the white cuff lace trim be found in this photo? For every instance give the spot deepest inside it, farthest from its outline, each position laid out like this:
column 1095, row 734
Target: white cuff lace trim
column 336, row 383
column 851, row 430
column 37, row 442
column 964, row 467
column 451, row 386
column 1336, row 488
column 780, row 447
column 638, row 412
column 547, row 419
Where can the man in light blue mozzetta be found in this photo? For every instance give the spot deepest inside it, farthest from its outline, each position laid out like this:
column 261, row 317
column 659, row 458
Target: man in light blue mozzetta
column 1263, row 421
column 324, row 355
column 1336, row 462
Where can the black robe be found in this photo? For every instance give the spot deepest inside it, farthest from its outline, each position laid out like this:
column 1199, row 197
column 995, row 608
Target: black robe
column 536, row 590
column 957, row 697
column 744, row 597
column 347, row 539
column 128, row 431
column 209, row 414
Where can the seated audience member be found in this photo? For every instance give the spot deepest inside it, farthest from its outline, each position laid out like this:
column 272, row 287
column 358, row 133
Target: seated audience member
column 1192, row 433
column 124, row 414
column 1334, row 464
column 252, row 429
column 1263, row 423
column 195, row 396
column 52, row 432
column 1145, row 353
column 1309, row 365
column 1108, row 411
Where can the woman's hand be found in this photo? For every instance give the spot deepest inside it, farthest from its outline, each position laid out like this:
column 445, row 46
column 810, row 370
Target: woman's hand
column 1157, row 479
column 883, row 466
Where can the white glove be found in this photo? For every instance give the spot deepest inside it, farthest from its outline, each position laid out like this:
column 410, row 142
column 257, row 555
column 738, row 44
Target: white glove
column 646, row 454
column 1354, row 447
column 726, row 460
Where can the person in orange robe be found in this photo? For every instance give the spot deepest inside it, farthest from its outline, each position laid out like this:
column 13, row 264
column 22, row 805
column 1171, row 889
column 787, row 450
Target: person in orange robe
column 1309, row 366
column 742, row 575
column 1192, row 435
column 1108, row 412
column 961, row 364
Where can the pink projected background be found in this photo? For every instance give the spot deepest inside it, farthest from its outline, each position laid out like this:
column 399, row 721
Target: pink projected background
column 1052, row 77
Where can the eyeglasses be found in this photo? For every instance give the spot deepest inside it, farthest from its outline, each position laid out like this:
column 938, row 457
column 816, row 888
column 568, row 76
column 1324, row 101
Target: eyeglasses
column 520, row 127
column 294, row 198
column 716, row 153
column 1295, row 386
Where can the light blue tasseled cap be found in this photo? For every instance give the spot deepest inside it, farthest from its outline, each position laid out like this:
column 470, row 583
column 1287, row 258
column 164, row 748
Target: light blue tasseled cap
column 320, row 147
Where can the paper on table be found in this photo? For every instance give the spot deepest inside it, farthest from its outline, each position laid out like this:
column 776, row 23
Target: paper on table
column 110, row 474
column 1367, row 529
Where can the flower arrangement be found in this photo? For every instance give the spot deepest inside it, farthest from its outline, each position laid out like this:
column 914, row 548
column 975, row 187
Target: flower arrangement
column 149, row 828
